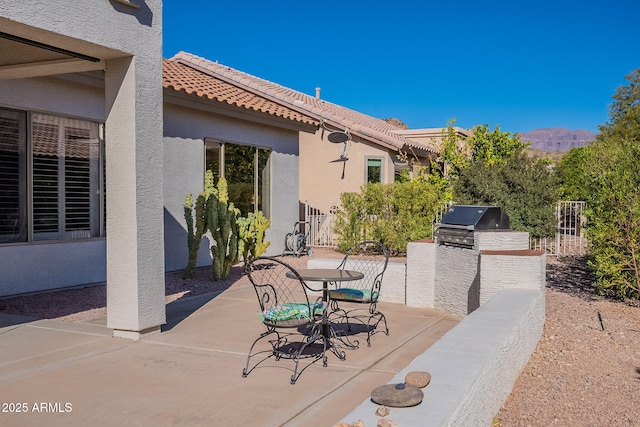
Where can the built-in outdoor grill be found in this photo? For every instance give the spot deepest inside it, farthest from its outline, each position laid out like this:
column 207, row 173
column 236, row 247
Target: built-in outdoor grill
column 458, row 225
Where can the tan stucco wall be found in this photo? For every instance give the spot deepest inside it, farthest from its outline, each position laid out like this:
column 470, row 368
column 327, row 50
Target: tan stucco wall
column 431, row 137
column 322, row 180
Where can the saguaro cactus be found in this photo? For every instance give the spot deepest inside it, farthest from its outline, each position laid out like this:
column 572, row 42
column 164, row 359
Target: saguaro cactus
column 222, row 222
column 196, row 222
column 233, row 235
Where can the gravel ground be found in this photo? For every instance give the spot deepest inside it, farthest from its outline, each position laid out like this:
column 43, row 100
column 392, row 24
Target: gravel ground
column 90, row 302
column 582, row 373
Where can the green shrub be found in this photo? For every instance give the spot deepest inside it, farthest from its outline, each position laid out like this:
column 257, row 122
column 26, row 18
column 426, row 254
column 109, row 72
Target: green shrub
column 571, row 174
column 606, row 175
column 614, row 216
column 493, row 147
column 523, row 187
column 393, row 214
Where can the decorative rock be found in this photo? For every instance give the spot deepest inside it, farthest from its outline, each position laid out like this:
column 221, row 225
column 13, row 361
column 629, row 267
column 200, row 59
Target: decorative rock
column 382, row 411
column 383, row 422
column 359, row 423
column 397, row 395
column 419, row 379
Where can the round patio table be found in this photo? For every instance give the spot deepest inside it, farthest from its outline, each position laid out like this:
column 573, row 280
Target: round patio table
column 326, row 275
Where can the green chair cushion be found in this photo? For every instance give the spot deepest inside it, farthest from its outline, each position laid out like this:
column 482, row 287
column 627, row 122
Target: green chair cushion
column 353, row 295
column 293, row 310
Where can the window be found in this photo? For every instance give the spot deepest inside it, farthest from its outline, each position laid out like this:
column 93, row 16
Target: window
column 246, row 169
column 13, row 177
column 51, row 179
column 374, row 170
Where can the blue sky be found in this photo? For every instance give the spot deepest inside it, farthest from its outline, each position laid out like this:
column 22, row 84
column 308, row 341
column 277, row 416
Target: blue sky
column 520, row 65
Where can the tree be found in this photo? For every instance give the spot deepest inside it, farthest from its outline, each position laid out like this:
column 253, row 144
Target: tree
column 524, row 187
column 494, row 169
column 614, row 216
column 488, row 147
column 454, row 152
column 606, row 174
column 493, row 147
column 624, row 112
column 572, row 174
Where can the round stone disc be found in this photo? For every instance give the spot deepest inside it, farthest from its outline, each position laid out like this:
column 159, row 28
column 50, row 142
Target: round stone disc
column 397, row 395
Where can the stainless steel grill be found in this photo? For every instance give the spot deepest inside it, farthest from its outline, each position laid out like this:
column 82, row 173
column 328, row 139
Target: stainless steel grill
column 459, row 224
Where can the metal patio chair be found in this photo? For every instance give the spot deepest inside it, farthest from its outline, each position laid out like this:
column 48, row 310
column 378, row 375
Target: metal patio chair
column 371, row 259
column 293, row 321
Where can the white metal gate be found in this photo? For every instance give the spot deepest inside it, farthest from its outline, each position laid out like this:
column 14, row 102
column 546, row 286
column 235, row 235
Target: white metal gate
column 569, row 238
column 320, row 217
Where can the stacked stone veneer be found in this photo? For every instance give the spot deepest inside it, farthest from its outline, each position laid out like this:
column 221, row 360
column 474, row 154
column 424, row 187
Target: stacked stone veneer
column 458, row 274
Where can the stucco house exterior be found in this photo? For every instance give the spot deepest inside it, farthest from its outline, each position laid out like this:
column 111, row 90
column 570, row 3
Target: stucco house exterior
column 347, row 149
column 80, row 110
column 433, row 136
column 100, row 141
column 327, row 168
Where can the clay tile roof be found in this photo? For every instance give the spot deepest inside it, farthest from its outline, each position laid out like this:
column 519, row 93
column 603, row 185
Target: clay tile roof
column 369, row 128
column 181, row 77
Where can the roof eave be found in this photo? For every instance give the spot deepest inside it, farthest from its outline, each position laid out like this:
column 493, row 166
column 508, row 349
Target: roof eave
column 196, row 101
column 366, row 133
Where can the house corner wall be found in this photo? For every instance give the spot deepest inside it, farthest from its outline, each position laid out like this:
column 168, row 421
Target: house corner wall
column 128, row 40
column 135, row 242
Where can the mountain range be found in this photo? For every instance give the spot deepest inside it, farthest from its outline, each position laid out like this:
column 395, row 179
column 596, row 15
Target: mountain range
column 556, row 139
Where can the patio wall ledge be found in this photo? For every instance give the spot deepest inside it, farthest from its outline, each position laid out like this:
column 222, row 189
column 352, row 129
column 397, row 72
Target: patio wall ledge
column 474, row 366
column 393, row 281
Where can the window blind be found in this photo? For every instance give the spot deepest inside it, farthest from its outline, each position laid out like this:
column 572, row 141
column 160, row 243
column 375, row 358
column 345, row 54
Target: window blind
column 66, row 178
column 13, row 200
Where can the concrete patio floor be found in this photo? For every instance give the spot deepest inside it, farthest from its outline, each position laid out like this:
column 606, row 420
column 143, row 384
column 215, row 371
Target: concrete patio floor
column 75, row 374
